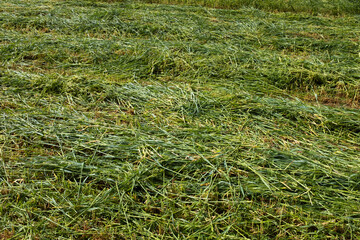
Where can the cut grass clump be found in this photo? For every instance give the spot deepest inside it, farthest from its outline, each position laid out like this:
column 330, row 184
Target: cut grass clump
column 123, row 120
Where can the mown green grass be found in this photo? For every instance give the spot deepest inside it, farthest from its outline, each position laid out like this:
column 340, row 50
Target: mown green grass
column 140, row 121
column 332, row 7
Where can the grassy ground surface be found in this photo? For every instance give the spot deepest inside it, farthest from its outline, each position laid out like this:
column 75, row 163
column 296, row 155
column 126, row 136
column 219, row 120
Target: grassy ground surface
column 143, row 121
column 332, row 7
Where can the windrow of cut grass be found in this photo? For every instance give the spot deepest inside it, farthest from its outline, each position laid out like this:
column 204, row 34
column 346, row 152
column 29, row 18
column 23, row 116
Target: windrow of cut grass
column 141, row 121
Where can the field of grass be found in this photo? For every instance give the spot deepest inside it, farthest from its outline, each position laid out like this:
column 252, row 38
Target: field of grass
column 129, row 120
column 332, row 7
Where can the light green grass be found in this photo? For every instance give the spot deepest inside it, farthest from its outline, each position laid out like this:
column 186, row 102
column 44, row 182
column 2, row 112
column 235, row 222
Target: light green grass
column 141, row 121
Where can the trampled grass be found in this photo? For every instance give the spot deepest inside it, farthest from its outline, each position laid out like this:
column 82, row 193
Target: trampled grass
column 126, row 120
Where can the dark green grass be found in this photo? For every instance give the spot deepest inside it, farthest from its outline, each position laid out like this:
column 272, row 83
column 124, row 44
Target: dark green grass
column 332, row 7
column 137, row 121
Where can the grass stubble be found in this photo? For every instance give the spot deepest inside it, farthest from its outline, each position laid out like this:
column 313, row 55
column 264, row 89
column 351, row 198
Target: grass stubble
column 126, row 120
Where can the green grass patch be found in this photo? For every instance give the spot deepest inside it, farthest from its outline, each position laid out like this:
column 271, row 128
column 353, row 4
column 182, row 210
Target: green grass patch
column 127, row 120
column 332, row 7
